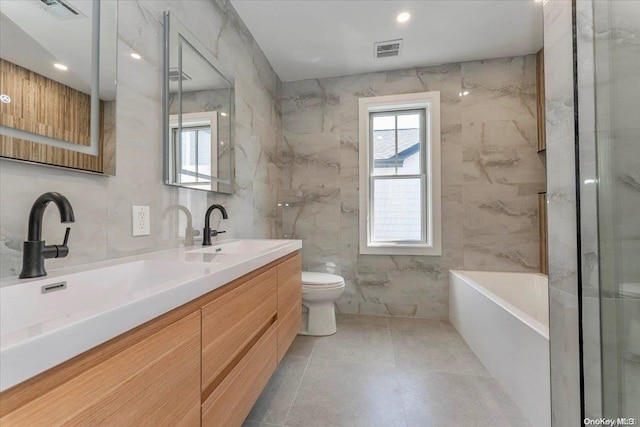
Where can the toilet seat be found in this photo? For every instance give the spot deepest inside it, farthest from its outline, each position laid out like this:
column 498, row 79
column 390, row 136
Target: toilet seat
column 321, row 280
column 322, row 287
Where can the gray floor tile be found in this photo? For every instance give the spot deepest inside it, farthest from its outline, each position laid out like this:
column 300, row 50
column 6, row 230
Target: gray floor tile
column 347, row 394
column 438, row 399
column 352, row 343
column 349, row 379
column 248, row 423
column 409, row 324
column 432, row 345
column 361, row 320
column 302, row 346
column 274, row 402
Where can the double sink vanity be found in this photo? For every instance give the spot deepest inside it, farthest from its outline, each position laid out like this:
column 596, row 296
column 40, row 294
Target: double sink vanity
column 186, row 336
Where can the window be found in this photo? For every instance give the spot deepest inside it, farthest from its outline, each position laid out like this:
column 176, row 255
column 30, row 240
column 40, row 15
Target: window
column 194, row 148
column 194, row 152
column 400, row 174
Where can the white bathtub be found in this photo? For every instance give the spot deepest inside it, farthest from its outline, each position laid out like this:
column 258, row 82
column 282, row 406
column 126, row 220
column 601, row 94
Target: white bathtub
column 504, row 317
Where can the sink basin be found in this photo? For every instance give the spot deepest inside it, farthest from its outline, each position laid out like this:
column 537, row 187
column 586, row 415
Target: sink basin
column 52, row 302
column 242, row 247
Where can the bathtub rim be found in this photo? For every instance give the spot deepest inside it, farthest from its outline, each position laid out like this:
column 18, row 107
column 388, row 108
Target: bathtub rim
column 523, row 317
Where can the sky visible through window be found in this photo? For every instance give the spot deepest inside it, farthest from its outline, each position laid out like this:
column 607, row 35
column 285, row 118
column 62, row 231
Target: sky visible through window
column 405, row 121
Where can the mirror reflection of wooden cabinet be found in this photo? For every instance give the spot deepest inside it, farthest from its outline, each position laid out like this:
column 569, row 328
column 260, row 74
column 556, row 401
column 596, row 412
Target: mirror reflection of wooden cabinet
column 58, row 97
column 543, row 237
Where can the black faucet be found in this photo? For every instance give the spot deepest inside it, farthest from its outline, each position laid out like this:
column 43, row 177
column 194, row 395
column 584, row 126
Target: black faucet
column 35, row 251
column 208, row 232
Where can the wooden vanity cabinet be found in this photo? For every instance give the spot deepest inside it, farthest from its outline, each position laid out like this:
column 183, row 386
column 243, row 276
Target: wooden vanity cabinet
column 204, row 363
column 289, row 302
column 152, row 383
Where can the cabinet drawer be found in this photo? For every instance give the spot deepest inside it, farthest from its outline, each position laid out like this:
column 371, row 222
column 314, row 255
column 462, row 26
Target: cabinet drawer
column 290, row 269
column 232, row 400
column 153, row 383
column 288, row 327
column 232, row 321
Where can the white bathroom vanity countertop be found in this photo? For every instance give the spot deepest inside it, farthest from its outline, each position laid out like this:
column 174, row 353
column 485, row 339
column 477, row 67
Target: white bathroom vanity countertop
column 103, row 300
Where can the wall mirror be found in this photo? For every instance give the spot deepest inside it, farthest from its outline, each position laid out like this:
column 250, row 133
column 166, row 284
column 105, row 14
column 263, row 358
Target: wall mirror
column 199, row 114
column 58, row 85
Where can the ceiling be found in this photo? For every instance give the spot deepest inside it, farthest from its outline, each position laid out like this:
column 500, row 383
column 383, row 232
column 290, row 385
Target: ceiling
column 35, row 39
column 196, row 60
column 306, row 39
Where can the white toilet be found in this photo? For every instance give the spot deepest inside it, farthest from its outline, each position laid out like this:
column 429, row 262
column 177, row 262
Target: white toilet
column 319, row 293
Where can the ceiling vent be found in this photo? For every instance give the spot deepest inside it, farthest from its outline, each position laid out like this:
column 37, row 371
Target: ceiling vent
column 62, row 10
column 387, row 49
column 174, row 75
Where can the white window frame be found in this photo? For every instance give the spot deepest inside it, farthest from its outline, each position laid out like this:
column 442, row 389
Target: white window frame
column 430, row 103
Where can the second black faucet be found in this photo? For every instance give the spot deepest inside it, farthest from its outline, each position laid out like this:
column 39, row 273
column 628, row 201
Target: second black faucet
column 208, row 232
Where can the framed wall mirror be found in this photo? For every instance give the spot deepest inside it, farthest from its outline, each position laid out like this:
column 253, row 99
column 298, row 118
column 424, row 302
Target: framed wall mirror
column 58, row 85
column 199, row 114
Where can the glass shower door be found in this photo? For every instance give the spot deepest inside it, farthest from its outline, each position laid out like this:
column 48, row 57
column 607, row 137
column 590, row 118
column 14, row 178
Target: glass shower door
column 617, row 92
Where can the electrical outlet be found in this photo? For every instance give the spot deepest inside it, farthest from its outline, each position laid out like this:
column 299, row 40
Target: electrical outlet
column 141, row 221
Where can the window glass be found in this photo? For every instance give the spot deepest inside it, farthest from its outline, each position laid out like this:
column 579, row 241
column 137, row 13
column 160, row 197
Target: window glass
column 195, row 155
column 203, row 169
column 384, row 144
column 397, row 210
column 409, row 144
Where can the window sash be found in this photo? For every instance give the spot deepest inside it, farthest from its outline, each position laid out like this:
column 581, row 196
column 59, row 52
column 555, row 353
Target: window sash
column 180, row 171
column 423, row 209
column 422, row 112
column 424, row 232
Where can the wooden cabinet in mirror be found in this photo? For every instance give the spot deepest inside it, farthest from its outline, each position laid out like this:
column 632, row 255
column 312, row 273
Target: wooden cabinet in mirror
column 58, row 83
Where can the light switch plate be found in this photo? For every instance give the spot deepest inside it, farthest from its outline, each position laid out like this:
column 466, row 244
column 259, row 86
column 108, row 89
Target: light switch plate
column 141, row 221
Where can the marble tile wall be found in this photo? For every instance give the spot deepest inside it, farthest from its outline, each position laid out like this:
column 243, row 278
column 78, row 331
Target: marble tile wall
column 103, row 205
column 562, row 220
column 491, row 174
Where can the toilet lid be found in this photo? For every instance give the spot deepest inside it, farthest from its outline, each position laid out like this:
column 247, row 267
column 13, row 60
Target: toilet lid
column 630, row 290
column 320, row 279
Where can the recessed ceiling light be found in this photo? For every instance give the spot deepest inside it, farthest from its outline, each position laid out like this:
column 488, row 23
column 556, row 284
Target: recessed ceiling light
column 538, row 1
column 61, row 67
column 403, row 17
column 135, row 55
column 223, row 114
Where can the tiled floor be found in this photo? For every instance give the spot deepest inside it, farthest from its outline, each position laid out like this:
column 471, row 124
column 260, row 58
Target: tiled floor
column 384, row 371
